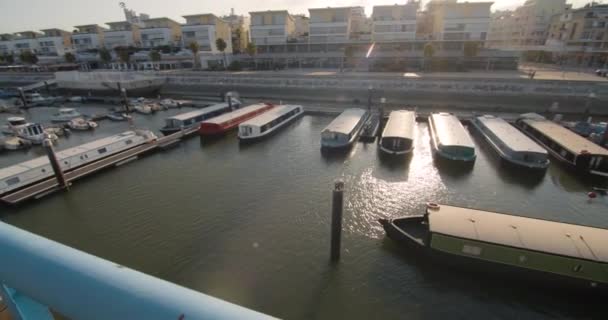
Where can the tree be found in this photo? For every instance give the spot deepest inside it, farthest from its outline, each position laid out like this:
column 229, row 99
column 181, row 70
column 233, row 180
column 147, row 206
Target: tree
column 471, row 49
column 236, row 41
column 251, row 50
column 155, row 56
column 193, row 46
column 9, row 58
column 221, row 46
column 105, row 55
column 28, row 57
column 123, row 54
column 429, row 52
column 70, row 57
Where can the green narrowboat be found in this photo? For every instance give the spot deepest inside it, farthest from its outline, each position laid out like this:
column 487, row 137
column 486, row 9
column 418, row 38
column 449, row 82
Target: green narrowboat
column 543, row 250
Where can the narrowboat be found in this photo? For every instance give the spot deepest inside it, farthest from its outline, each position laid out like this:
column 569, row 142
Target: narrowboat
column 511, row 144
column 565, row 145
column 268, row 122
column 228, row 121
column 506, row 244
column 398, row 135
column 194, row 118
column 344, row 129
column 26, row 173
column 449, row 139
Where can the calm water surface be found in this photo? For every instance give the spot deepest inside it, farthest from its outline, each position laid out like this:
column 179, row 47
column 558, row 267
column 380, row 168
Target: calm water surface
column 251, row 224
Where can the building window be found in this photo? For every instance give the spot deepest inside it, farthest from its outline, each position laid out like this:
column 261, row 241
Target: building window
column 189, row 34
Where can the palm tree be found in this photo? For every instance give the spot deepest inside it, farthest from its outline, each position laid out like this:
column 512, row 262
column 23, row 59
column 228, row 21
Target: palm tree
column 193, row 46
column 471, row 49
column 155, row 56
column 251, row 50
column 28, row 57
column 429, row 52
column 221, row 46
column 105, row 55
column 70, row 57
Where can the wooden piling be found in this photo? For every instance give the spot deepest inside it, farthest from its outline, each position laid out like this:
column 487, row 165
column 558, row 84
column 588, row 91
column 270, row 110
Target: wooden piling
column 336, row 219
column 48, row 147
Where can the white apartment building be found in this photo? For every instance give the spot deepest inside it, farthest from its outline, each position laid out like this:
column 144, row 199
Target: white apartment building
column 54, row 43
column 205, row 29
column 160, row 32
column 525, row 27
column 332, row 25
column 122, row 34
column 395, row 22
column 272, row 27
column 459, row 21
column 6, row 44
column 88, row 37
column 26, row 41
column 302, row 24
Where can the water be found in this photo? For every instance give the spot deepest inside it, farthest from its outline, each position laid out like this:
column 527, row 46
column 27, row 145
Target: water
column 250, row 224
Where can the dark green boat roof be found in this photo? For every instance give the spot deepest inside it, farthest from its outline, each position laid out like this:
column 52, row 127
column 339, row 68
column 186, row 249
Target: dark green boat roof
column 526, row 233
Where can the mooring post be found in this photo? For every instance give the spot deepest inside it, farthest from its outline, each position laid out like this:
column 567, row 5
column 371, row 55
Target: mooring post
column 22, row 97
column 336, row 219
column 48, row 147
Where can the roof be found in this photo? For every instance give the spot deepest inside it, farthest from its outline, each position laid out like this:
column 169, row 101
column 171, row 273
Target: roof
column 236, row 113
column 161, row 19
column 269, row 11
column 512, row 138
column 346, row 121
column 564, row 137
column 400, row 124
column 521, row 232
column 195, row 113
column 335, row 8
column 200, row 15
column 270, row 115
column 450, row 131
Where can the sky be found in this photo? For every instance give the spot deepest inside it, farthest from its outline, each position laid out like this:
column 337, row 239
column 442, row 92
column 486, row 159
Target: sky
column 26, row 15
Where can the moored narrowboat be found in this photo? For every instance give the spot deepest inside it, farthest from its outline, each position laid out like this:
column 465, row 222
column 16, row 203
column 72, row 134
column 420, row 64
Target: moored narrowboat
column 269, row 122
column 228, row 121
column 449, row 139
column 194, row 118
column 542, row 249
column 345, row 129
column 398, row 135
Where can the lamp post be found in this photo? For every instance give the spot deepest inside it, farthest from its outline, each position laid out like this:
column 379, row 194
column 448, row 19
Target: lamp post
column 590, row 98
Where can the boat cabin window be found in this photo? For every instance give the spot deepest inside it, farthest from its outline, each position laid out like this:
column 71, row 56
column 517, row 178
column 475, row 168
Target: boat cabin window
column 128, row 142
column 102, row 150
column 187, row 122
column 577, row 268
column 12, row 181
column 472, row 250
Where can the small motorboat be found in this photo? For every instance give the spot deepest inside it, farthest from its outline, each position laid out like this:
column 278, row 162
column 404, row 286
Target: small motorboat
column 170, row 103
column 117, row 116
column 36, row 99
column 65, row 115
column 15, row 143
column 75, row 99
column 156, row 107
column 143, row 109
column 81, row 124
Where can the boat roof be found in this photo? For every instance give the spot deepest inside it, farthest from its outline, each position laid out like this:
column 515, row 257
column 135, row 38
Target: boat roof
column 511, row 136
column 270, row 115
column 346, row 121
column 37, row 162
column 195, row 113
column 14, row 119
column 66, row 109
column 564, row 137
column 237, row 113
column 400, row 124
column 450, row 132
column 526, row 233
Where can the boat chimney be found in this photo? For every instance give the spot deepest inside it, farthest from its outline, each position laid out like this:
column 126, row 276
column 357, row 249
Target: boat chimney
column 336, row 219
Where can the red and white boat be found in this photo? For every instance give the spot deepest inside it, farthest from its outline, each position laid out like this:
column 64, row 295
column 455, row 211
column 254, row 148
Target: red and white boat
column 231, row 120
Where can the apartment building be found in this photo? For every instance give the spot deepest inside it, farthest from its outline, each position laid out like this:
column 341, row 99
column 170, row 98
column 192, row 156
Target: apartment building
column 26, row 41
column 395, row 22
column 122, row 34
column 334, row 25
column 272, row 27
column 160, row 32
column 458, row 21
column 88, row 37
column 205, row 29
column 54, row 42
column 580, row 36
column 302, row 25
column 526, row 27
column 6, row 44
column 239, row 26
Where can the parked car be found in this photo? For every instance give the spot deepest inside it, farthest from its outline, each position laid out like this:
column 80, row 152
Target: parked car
column 602, row 72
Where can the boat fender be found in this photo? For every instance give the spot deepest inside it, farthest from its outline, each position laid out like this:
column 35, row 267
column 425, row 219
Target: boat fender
column 432, row 206
column 592, row 195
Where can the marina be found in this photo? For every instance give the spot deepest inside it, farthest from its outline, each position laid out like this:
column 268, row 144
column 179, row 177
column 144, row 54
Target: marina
column 449, row 139
column 229, row 121
column 399, row 133
column 511, row 144
column 507, row 244
column 565, row 145
column 344, row 130
column 268, row 122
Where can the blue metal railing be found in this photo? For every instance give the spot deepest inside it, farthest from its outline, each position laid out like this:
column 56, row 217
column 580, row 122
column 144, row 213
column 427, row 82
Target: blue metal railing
column 81, row 286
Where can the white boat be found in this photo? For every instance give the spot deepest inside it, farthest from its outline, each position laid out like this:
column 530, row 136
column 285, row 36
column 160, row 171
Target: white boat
column 33, row 132
column 81, row 124
column 449, row 139
column 511, row 144
column 345, row 129
column 117, row 116
column 169, row 103
column 36, row 99
column 12, row 124
column 143, row 109
column 398, row 135
column 194, row 118
column 15, row 143
column 268, row 122
column 65, row 115
column 26, row 173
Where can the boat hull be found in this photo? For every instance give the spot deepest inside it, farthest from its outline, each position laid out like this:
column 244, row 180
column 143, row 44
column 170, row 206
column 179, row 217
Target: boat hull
column 253, row 139
column 438, row 153
column 396, row 153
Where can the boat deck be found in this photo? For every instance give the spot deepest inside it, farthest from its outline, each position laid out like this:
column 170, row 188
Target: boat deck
column 450, row 131
column 564, row 137
column 509, row 135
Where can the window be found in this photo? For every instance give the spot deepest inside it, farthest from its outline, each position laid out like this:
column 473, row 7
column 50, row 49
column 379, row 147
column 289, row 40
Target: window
column 189, row 34
column 12, row 181
column 472, row 250
column 128, row 142
column 101, row 151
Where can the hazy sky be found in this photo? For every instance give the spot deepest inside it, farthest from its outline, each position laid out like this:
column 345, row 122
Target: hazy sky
column 25, row 15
